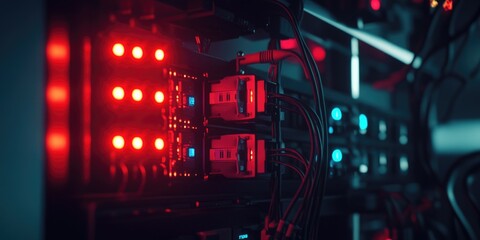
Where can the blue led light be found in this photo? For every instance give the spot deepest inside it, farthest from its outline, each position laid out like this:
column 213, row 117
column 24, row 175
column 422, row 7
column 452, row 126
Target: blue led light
column 191, row 152
column 191, row 101
column 336, row 114
column 362, row 122
column 330, row 130
column 243, row 236
column 337, row 155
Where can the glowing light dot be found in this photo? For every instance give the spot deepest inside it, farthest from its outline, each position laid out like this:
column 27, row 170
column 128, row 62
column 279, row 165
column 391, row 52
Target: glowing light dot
column 137, row 52
column 57, row 94
column 159, row 54
column 363, row 168
column 137, row 143
column 362, row 122
column 375, row 4
column 118, row 49
column 137, row 95
column 319, row 53
column 448, row 5
column 118, row 93
column 336, row 114
column 337, row 155
column 56, row 141
column 191, row 152
column 191, row 101
column 118, row 142
column 159, row 97
column 159, row 144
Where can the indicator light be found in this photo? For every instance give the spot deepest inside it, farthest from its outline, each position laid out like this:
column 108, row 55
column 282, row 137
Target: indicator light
column 337, row 155
column 330, row 130
column 118, row 49
column 191, row 152
column 57, row 94
column 363, row 168
column 159, row 97
column 448, row 5
column 336, row 114
column 118, row 93
column 137, row 143
column 318, row 53
column 118, row 142
column 159, row 144
column 191, row 101
column 363, row 123
column 243, row 236
column 137, row 52
column 375, row 4
column 57, row 141
column 137, row 95
column 159, row 55
column 403, row 163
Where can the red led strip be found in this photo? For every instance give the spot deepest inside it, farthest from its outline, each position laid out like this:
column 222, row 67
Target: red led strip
column 87, row 137
column 57, row 99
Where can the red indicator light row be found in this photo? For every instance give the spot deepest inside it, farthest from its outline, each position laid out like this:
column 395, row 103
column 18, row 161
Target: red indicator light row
column 118, row 142
column 118, row 93
column 137, row 52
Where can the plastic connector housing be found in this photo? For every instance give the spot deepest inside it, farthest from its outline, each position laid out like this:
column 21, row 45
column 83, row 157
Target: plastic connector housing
column 237, row 156
column 237, row 98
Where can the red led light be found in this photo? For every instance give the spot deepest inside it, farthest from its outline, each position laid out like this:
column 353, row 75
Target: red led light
column 290, row 43
column 375, row 4
column 448, row 5
column 251, row 96
column 118, row 93
column 57, row 51
column 137, row 143
column 118, row 142
column 318, row 53
column 56, row 94
column 159, row 144
column 137, row 52
column 56, row 141
column 159, row 54
column 137, row 95
column 159, row 97
column 118, row 49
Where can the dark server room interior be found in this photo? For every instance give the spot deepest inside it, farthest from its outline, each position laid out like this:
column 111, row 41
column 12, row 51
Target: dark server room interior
column 240, row 120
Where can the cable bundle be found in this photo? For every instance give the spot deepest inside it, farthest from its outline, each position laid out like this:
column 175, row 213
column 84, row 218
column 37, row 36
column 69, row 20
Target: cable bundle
column 301, row 217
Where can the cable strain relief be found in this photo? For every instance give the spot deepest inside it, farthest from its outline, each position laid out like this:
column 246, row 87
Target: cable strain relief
column 266, row 56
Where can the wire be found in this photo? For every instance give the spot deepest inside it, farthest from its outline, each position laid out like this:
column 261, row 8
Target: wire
column 313, row 184
column 298, row 171
column 294, row 153
column 314, row 164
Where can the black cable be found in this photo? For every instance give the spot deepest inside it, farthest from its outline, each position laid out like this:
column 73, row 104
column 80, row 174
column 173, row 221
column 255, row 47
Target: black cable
column 312, row 188
column 320, row 108
column 298, row 171
column 314, row 143
column 294, row 152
